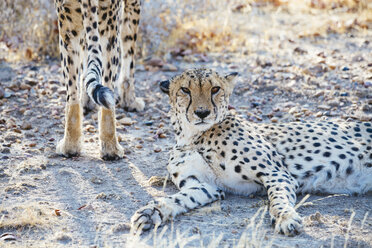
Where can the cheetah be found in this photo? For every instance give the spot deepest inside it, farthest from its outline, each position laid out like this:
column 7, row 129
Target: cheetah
column 218, row 152
column 97, row 46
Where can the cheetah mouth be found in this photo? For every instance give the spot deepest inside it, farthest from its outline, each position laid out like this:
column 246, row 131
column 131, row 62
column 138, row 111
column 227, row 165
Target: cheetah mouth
column 201, row 123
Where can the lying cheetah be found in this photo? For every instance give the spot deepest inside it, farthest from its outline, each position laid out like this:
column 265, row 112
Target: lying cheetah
column 217, row 151
column 97, row 45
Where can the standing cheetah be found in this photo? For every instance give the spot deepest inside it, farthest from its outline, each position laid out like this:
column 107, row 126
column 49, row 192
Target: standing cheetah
column 217, row 151
column 97, row 44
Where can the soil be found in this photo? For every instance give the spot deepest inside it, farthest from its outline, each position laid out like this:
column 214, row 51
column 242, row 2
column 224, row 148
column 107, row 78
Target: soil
column 282, row 78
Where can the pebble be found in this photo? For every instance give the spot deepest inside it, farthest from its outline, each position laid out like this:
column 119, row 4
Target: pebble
column 16, row 130
column 274, row 120
column 25, row 87
column 148, row 123
column 156, row 62
column 345, row 68
column 5, row 150
column 96, row 180
column 162, row 135
column 169, row 67
column 333, row 103
column 139, row 146
column 158, row 149
column 366, row 84
column 26, row 126
column 2, row 93
column 324, row 107
column 126, row 121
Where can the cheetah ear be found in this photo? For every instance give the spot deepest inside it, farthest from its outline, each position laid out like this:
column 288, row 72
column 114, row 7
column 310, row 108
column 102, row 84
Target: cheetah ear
column 164, row 86
column 231, row 76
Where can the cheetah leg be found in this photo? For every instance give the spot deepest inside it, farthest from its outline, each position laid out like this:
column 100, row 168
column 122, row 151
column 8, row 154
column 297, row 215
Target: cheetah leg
column 195, row 191
column 125, row 84
column 193, row 195
column 110, row 147
column 282, row 199
column 69, row 36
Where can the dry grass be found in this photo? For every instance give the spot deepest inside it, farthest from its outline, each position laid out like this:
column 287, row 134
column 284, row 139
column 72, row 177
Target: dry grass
column 27, row 215
column 253, row 236
column 28, row 29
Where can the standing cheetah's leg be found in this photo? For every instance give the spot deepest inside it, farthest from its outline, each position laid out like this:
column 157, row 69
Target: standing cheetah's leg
column 281, row 189
column 70, row 33
column 102, row 95
column 125, row 84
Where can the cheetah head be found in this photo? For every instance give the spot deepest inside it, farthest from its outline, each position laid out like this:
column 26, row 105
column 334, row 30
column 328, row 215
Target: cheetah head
column 198, row 98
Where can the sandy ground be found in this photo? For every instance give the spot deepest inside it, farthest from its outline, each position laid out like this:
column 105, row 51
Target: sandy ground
column 51, row 201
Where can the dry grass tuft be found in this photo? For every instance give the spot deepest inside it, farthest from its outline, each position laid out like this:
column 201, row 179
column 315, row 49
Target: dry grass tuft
column 28, row 29
column 28, row 215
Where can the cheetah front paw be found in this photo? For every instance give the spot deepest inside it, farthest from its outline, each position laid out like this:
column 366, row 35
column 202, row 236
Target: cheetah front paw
column 68, row 149
column 111, row 151
column 289, row 224
column 145, row 218
column 137, row 105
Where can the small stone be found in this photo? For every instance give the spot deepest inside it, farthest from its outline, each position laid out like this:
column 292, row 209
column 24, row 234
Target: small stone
column 25, row 87
column 96, row 180
column 169, row 67
column 2, row 93
column 126, row 121
column 324, row 107
column 345, row 68
column 274, row 120
column 26, row 126
column 155, row 62
column 333, row 103
column 139, row 146
column 148, row 123
column 5, row 150
column 90, row 129
column 162, row 136
column 366, row 84
column 31, row 81
column 16, row 130
column 299, row 50
column 158, row 149
column 344, row 94
column 32, row 145
column 319, row 114
column 122, row 227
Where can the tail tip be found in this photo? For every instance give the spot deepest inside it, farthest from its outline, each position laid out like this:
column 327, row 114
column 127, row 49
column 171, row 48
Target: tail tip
column 106, row 98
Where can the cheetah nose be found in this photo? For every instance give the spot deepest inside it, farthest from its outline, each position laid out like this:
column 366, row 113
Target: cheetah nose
column 202, row 113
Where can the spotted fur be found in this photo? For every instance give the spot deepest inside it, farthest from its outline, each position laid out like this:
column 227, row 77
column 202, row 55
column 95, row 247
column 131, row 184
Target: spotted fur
column 219, row 152
column 97, row 48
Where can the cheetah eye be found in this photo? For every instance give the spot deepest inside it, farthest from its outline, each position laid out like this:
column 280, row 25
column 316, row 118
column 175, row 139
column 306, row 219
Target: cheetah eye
column 215, row 90
column 185, row 90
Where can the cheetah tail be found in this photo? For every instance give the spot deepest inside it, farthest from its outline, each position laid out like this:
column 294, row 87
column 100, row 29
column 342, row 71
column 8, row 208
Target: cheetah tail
column 101, row 95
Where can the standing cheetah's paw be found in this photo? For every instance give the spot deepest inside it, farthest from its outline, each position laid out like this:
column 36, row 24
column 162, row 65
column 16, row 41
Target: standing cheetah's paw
column 289, row 224
column 111, row 151
column 68, row 149
column 145, row 218
column 137, row 105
